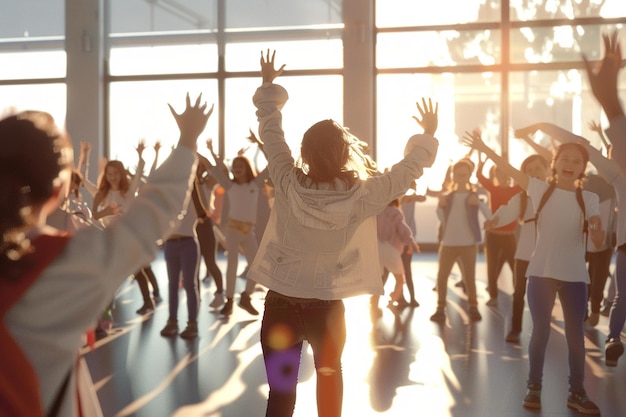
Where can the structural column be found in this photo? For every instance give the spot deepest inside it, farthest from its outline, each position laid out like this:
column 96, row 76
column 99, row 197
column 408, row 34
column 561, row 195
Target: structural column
column 85, row 76
column 359, row 69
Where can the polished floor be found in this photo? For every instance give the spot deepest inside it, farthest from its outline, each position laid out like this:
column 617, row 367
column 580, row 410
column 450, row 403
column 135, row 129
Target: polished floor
column 396, row 364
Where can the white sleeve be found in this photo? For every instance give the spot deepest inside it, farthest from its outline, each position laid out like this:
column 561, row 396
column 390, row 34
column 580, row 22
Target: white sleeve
column 508, row 212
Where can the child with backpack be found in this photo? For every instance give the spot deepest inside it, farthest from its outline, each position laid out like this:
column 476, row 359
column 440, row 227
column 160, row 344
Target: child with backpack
column 557, row 265
column 520, row 208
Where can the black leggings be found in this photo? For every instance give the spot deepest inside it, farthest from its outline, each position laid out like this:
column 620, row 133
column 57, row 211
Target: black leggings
column 142, row 277
column 206, row 238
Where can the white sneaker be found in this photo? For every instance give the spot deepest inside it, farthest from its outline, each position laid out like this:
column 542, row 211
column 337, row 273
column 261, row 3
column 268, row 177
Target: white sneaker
column 218, row 301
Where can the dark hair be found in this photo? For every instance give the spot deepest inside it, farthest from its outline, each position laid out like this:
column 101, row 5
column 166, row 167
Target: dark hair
column 330, row 152
column 532, row 158
column 33, row 152
column 553, row 181
column 523, row 196
column 77, row 179
column 250, row 175
column 466, row 162
column 573, row 145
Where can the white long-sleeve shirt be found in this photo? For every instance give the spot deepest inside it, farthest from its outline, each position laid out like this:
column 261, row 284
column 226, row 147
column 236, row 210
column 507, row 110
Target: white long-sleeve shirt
column 49, row 320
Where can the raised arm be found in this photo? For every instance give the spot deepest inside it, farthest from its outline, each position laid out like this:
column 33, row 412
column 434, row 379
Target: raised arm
column 155, row 163
column 135, row 182
column 603, row 78
column 473, row 140
column 525, row 133
column 429, row 117
column 597, row 127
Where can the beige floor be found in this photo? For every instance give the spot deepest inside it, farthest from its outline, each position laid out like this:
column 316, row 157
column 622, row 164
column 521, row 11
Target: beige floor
column 400, row 364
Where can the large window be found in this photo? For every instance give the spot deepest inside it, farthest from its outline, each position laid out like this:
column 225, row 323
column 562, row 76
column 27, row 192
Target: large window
column 490, row 64
column 32, row 56
column 214, row 48
column 483, row 76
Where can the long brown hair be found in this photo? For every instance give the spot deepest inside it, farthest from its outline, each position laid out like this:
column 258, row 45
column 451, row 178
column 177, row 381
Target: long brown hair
column 330, row 152
column 104, row 186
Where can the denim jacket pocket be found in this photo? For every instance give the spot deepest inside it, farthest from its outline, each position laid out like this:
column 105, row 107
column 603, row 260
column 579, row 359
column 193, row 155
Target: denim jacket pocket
column 338, row 269
column 282, row 262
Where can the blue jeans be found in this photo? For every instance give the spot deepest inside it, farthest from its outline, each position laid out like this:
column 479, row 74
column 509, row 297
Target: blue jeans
column 573, row 296
column 286, row 324
column 617, row 317
column 181, row 257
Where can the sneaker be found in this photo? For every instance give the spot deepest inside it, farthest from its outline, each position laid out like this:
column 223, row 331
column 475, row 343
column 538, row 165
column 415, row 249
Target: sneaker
column 533, row 397
column 612, row 351
column 170, row 329
column 593, row 319
column 474, row 315
column 145, row 309
column 227, row 310
column 218, row 301
column 580, row 402
column 157, row 298
column 512, row 337
column 439, row 316
column 460, row 284
column 246, row 304
column 492, row 302
column 191, row 331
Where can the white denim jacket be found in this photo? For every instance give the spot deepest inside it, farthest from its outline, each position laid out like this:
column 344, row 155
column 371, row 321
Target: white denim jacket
column 321, row 242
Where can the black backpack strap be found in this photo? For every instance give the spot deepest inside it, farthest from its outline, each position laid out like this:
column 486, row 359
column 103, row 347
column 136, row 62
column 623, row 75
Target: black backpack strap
column 544, row 199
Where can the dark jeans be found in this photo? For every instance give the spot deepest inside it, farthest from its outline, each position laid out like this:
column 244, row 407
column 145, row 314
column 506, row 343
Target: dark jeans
column 499, row 248
column 206, row 238
column 519, row 292
column 286, row 324
column 617, row 316
column 181, row 258
column 542, row 293
column 143, row 276
column 598, row 264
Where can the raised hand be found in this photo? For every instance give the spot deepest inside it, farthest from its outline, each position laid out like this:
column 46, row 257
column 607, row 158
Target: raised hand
column 595, row 126
column 141, row 146
column 157, row 146
column 603, row 80
column 268, row 72
column 85, row 148
column 192, row 121
column 473, row 140
column 253, row 138
column 429, row 118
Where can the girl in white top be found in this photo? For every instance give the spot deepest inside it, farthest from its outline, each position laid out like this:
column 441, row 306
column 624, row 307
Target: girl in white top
column 242, row 195
column 520, row 208
column 611, row 171
column 115, row 190
column 557, row 265
column 115, row 193
column 458, row 211
column 319, row 245
column 57, row 289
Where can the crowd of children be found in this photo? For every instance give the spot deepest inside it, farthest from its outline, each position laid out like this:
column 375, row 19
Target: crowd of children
column 335, row 230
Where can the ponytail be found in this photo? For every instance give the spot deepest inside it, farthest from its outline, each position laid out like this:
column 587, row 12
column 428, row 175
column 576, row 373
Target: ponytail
column 33, row 152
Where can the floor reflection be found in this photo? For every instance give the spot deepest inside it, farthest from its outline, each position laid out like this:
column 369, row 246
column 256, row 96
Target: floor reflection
column 396, row 361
